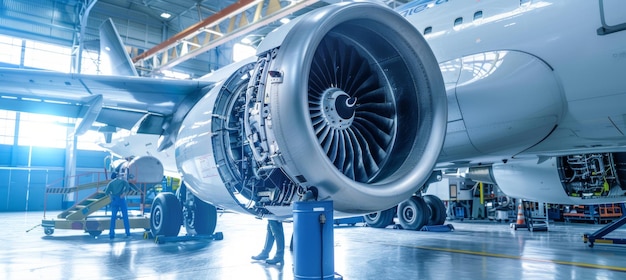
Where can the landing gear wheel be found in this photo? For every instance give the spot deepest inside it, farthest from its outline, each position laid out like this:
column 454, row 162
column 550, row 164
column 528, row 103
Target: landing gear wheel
column 380, row 219
column 48, row 231
column 437, row 210
column 166, row 216
column 200, row 217
column 413, row 213
column 95, row 233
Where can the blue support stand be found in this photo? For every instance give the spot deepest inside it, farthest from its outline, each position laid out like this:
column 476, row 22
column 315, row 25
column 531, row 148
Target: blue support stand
column 313, row 252
column 598, row 236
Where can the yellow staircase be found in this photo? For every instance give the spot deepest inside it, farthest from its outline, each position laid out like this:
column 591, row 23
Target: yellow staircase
column 78, row 216
column 86, row 186
column 82, row 209
column 90, row 204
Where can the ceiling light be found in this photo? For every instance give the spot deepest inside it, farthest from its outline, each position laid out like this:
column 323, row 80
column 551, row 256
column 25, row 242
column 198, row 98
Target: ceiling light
column 165, row 15
column 284, row 20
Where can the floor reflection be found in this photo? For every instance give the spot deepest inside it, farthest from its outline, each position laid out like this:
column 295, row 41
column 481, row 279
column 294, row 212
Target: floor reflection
column 472, row 251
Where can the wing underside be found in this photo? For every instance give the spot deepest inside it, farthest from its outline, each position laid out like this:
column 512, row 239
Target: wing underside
column 125, row 100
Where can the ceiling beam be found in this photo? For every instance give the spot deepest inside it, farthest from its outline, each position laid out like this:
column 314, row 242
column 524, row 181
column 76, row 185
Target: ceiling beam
column 195, row 28
column 207, row 34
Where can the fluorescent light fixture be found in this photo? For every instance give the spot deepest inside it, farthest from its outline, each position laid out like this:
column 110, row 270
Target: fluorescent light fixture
column 165, row 15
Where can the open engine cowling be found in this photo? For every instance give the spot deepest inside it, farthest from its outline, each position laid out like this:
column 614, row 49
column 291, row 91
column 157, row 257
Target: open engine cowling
column 347, row 99
column 576, row 179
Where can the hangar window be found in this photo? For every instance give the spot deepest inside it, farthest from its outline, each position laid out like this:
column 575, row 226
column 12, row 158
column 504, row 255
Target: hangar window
column 89, row 64
column 7, row 127
column 89, row 141
column 47, row 56
column 428, row 30
column 458, row 21
column 10, row 50
column 43, row 130
column 175, row 75
column 40, row 130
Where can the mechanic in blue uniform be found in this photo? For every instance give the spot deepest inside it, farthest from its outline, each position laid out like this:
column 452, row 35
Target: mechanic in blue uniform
column 116, row 189
column 274, row 233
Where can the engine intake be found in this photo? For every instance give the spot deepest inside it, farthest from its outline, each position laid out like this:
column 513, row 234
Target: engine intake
column 350, row 101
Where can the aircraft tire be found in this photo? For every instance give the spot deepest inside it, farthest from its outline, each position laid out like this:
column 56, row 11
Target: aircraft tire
column 205, row 218
column 413, row 213
column 380, row 219
column 437, row 210
column 166, row 215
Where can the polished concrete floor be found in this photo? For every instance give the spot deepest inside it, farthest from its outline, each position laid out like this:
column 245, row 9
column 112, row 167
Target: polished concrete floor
column 475, row 250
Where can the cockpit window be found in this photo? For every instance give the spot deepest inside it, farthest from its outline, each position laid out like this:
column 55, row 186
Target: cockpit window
column 428, row 30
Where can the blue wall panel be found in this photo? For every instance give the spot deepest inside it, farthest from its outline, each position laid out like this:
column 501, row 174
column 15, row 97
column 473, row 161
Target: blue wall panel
column 37, row 190
column 17, row 190
column 5, row 155
column 20, row 154
column 90, row 159
column 23, row 185
column 54, row 201
column 47, row 157
column 5, row 179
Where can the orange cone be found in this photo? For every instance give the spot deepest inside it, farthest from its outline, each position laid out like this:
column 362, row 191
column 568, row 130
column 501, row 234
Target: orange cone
column 521, row 221
column 520, row 215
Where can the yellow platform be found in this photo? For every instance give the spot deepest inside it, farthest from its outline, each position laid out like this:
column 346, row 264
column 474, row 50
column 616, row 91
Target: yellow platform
column 94, row 225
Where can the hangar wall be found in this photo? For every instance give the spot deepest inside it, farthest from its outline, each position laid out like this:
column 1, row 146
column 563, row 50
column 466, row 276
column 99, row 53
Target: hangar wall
column 26, row 171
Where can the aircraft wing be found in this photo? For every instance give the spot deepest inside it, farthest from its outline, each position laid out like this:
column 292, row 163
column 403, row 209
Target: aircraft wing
column 118, row 101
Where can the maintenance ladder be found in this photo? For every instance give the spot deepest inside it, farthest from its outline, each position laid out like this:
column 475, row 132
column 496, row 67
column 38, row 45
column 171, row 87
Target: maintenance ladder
column 78, row 215
column 83, row 208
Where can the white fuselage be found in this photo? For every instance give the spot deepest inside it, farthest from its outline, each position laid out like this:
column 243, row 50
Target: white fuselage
column 523, row 79
column 528, row 79
column 586, row 70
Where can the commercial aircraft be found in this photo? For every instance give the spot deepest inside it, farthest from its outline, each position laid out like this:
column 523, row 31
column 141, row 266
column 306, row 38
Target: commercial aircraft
column 360, row 104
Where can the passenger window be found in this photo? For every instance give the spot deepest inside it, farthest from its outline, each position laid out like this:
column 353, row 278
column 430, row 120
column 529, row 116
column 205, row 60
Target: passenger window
column 478, row 15
column 428, row 30
column 458, row 21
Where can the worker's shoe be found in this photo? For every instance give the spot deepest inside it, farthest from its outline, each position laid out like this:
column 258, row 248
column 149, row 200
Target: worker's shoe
column 261, row 256
column 275, row 260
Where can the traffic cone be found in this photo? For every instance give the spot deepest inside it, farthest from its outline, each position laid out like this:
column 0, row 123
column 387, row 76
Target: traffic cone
column 521, row 220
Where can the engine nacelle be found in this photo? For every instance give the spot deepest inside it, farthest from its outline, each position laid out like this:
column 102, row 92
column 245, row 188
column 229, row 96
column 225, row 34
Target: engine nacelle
column 142, row 169
column 347, row 100
column 573, row 179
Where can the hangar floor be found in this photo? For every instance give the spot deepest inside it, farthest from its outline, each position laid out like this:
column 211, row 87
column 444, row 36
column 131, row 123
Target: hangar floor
column 475, row 250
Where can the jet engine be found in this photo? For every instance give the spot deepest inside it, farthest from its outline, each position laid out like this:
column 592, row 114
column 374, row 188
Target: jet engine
column 579, row 179
column 346, row 103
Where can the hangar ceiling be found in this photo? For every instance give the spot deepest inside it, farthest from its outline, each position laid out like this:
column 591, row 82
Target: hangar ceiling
column 205, row 30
